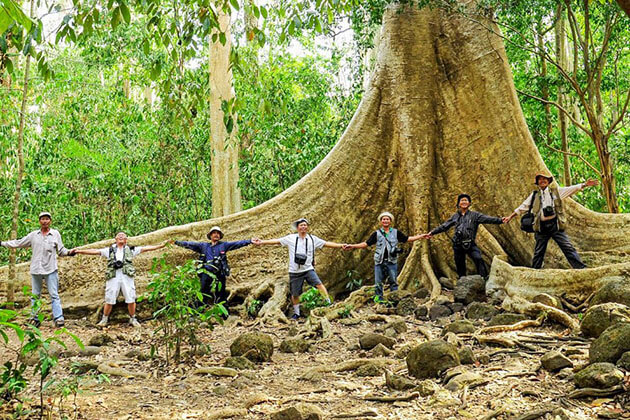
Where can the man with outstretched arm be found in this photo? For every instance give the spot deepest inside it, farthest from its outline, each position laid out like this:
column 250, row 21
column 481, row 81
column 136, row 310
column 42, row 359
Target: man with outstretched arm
column 213, row 256
column 46, row 245
column 546, row 204
column 301, row 246
column 120, row 274
column 386, row 252
column 466, row 223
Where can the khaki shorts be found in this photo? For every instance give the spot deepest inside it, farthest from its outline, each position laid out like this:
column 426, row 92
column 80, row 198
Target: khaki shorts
column 114, row 286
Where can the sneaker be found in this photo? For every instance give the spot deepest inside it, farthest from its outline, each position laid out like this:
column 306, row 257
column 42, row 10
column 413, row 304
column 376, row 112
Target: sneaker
column 60, row 323
column 35, row 322
column 295, row 317
column 102, row 323
column 134, row 322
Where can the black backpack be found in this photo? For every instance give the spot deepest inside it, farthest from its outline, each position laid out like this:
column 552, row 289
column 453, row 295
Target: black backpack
column 527, row 221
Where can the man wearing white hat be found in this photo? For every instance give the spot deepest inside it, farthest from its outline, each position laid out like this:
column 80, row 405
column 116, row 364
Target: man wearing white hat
column 213, row 256
column 46, row 244
column 546, row 204
column 301, row 246
column 386, row 252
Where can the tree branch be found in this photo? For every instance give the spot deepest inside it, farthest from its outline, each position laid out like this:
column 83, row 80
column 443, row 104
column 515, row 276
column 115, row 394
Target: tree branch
column 622, row 114
column 566, row 152
column 557, row 105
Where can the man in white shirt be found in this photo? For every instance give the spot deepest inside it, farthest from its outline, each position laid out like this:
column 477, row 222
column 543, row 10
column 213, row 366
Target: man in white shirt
column 120, row 273
column 301, row 246
column 545, row 203
column 46, row 244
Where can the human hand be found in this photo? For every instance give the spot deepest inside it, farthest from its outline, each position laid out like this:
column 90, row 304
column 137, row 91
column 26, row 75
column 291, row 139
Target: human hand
column 72, row 252
column 506, row 219
column 591, row 182
column 256, row 241
column 346, row 247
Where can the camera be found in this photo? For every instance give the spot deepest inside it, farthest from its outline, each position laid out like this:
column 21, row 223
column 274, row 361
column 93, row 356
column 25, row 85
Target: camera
column 396, row 252
column 463, row 240
column 300, row 259
column 548, row 211
column 118, row 265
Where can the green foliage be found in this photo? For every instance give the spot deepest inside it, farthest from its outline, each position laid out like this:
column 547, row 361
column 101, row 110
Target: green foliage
column 353, row 281
column 70, row 387
column 177, row 303
column 253, row 307
column 312, row 299
column 346, row 312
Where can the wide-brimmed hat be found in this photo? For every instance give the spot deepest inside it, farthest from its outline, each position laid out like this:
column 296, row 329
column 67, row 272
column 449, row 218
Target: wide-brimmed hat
column 295, row 224
column 459, row 198
column 215, row 229
column 386, row 213
column 44, row 214
column 542, row 175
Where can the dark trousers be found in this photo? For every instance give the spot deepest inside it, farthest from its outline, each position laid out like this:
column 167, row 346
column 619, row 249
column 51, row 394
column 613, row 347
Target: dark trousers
column 475, row 254
column 551, row 232
column 219, row 294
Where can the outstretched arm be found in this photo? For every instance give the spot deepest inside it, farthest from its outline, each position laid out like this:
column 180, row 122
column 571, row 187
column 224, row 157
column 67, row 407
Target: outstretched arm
column 193, row 246
column 266, row 241
column 24, row 242
column 360, row 245
column 415, row 238
column 573, row 189
column 333, row 245
column 85, row 251
column 443, row 227
column 485, row 219
column 154, row 247
column 231, row 246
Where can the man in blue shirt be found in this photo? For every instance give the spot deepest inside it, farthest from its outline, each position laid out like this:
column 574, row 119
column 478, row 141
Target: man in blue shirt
column 213, row 256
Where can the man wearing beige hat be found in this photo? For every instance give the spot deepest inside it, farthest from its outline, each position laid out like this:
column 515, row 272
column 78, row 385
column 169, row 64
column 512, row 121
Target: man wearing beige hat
column 547, row 207
column 386, row 252
column 46, row 245
column 214, row 259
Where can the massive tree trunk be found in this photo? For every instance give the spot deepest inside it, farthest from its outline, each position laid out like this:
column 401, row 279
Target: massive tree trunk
column 440, row 117
column 226, row 194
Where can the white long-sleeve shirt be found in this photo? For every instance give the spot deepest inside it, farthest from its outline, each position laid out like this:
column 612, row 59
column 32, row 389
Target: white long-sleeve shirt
column 45, row 250
column 546, row 197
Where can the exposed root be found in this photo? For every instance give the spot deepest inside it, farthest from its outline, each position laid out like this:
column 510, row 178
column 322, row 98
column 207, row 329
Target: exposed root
column 348, row 366
column 436, row 287
column 528, row 323
column 226, row 413
column 595, row 392
column 272, row 311
column 504, row 342
column 112, row 369
column 520, row 305
column 379, row 398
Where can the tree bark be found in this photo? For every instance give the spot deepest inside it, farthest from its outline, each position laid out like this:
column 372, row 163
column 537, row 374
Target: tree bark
column 440, row 117
column 226, row 194
column 18, row 182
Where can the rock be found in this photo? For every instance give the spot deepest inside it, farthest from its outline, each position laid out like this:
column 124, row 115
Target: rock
column 220, row 371
column 238, row 363
column 220, row 390
column 421, row 293
column 421, row 313
column 398, row 383
column 381, row 351
column 350, row 321
column 447, row 283
column 429, row 359
column 611, row 344
column 466, row 356
column 369, row 369
column 439, row 311
column 566, row 374
column 460, row 381
column 396, row 296
column 404, row 351
column 561, row 414
column 370, row 340
column 599, row 317
column 256, row 346
column 83, row 367
column 598, row 375
column 470, row 289
column 89, row 351
column 456, row 307
column 138, row 355
column 548, row 300
column 480, row 310
column 100, row 340
column 451, row 338
column 300, row 411
column 616, row 289
column 506, row 318
column 406, row 306
column 426, row 388
column 624, row 361
column 295, row 345
column 460, row 327
column 442, row 300
column 554, row 361
column 400, row 326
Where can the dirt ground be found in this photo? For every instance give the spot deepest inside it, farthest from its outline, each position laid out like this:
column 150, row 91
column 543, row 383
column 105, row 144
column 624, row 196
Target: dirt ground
column 513, row 382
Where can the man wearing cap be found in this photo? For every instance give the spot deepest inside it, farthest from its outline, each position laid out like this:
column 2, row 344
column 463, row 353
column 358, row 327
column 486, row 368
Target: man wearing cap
column 386, row 252
column 466, row 223
column 213, row 256
column 547, row 207
column 119, row 275
column 46, row 245
column 301, row 246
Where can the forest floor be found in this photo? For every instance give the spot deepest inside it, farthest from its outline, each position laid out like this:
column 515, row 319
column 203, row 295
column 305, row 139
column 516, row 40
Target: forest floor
column 511, row 382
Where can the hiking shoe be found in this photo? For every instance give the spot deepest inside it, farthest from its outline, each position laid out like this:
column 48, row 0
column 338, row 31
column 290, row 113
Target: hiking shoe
column 134, row 322
column 60, row 323
column 35, row 322
column 102, row 323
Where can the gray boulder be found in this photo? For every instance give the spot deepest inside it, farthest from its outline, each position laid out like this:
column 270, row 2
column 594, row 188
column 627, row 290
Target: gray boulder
column 554, row 361
column 429, row 359
column 238, row 363
column 615, row 289
column 470, row 289
column 624, row 361
column 370, row 340
column 598, row 375
column 480, row 310
column 506, row 318
column 439, row 311
column 406, row 306
column 599, row 317
column 611, row 344
column 460, row 327
column 100, row 340
column 466, row 356
column 256, row 346
column 398, row 383
column 421, row 313
column 295, row 345
column 447, row 283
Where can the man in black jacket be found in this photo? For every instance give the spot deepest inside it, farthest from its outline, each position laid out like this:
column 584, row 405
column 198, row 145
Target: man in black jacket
column 466, row 223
